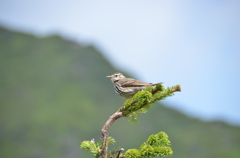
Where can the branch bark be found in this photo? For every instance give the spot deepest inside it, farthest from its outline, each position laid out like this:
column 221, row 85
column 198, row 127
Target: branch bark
column 105, row 129
column 178, row 89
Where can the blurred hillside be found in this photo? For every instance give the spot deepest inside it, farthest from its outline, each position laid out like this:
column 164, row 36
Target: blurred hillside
column 54, row 94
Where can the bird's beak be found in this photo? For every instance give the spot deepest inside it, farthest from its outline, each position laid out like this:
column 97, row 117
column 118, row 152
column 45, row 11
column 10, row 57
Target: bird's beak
column 109, row 76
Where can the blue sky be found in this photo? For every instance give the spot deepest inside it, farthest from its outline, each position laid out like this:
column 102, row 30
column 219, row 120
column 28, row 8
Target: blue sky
column 192, row 43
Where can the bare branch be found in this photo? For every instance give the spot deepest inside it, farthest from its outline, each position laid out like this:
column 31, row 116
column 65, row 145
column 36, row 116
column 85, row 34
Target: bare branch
column 178, row 89
column 105, row 129
column 118, row 153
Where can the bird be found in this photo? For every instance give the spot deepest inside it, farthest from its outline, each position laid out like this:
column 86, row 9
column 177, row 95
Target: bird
column 127, row 87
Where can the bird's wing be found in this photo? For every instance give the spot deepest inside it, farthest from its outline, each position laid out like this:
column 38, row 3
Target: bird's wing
column 129, row 82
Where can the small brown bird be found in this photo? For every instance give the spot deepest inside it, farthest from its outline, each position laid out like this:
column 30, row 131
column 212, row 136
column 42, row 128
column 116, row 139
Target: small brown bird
column 127, row 87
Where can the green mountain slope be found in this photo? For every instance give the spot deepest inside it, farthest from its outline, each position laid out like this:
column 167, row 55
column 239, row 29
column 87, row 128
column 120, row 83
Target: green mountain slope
column 54, row 94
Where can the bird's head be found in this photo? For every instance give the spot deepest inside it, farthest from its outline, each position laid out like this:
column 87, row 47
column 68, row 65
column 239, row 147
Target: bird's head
column 116, row 76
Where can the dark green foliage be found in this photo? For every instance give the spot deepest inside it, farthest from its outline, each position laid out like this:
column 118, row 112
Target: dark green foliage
column 159, row 92
column 156, row 146
column 142, row 100
column 136, row 105
column 95, row 148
